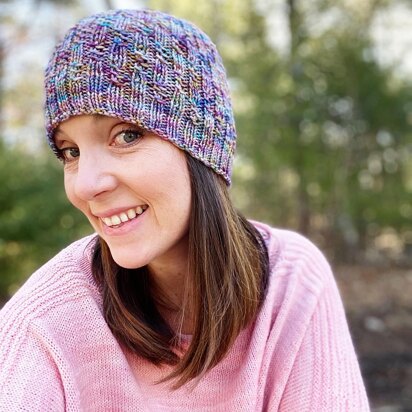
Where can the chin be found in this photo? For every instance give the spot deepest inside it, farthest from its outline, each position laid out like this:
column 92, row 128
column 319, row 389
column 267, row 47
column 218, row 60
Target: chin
column 128, row 260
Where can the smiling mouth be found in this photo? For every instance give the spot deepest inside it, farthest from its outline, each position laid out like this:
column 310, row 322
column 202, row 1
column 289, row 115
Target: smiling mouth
column 124, row 217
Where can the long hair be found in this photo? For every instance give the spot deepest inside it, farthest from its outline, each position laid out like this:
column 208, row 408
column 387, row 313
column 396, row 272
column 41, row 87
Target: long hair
column 228, row 267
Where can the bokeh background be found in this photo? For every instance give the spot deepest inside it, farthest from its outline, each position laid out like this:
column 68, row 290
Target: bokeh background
column 322, row 93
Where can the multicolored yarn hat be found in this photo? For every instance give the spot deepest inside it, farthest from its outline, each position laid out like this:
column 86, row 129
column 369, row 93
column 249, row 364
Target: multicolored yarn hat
column 148, row 68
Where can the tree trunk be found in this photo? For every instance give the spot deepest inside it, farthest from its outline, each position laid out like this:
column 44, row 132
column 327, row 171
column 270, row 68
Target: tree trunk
column 109, row 4
column 1, row 86
column 302, row 198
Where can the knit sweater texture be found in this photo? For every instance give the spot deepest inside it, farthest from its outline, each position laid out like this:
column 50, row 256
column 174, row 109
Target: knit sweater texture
column 58, row 354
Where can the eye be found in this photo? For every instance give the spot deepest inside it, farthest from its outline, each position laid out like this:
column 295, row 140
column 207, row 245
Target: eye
column 70, row 153
column 127, row 137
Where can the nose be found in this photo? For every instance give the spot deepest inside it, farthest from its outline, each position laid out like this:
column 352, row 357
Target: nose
column 94, row 176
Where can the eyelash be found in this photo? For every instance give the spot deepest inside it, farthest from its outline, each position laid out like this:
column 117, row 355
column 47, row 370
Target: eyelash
column 138, row 133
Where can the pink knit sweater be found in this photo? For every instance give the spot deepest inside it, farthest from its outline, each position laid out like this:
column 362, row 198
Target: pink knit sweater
column 58, row 354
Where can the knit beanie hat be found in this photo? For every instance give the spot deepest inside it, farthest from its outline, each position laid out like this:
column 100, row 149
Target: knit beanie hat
column 147, row 68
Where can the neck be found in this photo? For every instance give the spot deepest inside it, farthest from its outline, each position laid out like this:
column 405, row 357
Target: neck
column 170, row 289
column 170, row 285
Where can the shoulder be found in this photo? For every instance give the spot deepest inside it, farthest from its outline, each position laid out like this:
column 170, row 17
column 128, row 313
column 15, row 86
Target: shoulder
column 300, row 282
column 307, row 355
column 300, row 278
column 295, row 258
column 63, row 279
column 45, row 326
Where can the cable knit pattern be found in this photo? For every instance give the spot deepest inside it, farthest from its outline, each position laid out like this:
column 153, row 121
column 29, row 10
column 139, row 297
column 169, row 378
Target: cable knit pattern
column 148, row 68
column 57, row 353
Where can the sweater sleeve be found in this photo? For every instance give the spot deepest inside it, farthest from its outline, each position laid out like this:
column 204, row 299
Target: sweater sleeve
column 325, row 375
column 29, row 378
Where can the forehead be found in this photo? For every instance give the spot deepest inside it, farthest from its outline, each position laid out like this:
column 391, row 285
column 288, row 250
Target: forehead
column 90, row 118
column 81, row 124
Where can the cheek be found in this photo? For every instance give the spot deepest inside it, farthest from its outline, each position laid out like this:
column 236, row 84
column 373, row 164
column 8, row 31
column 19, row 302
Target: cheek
column 171, row 194
column 182, row 196
column 186, row 199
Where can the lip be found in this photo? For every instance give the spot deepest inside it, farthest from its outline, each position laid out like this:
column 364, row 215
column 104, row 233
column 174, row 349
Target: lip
column 125, row 228
column 116, row 211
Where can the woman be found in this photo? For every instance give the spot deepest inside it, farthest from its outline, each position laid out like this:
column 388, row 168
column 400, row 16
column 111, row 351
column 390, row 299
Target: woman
column 177, row 303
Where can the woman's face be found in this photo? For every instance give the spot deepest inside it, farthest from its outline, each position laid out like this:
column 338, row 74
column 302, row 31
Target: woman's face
column 133, row 187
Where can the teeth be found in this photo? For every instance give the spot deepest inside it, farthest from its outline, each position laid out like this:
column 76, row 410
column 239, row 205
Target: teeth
column 131, row 213
column 107, row 221
column 124, row 216
column 116, row 220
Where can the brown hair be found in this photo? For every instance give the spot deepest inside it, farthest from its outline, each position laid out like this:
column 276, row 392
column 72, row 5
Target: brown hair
column 228, row 266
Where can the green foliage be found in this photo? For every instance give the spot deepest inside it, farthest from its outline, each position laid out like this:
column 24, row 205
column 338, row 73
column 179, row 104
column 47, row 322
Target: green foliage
column 324, row 130
column 36, row 219
column 341, row 133
column 324, row 136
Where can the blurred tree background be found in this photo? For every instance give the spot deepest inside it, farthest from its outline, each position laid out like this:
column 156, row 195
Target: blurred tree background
column 324, row 130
